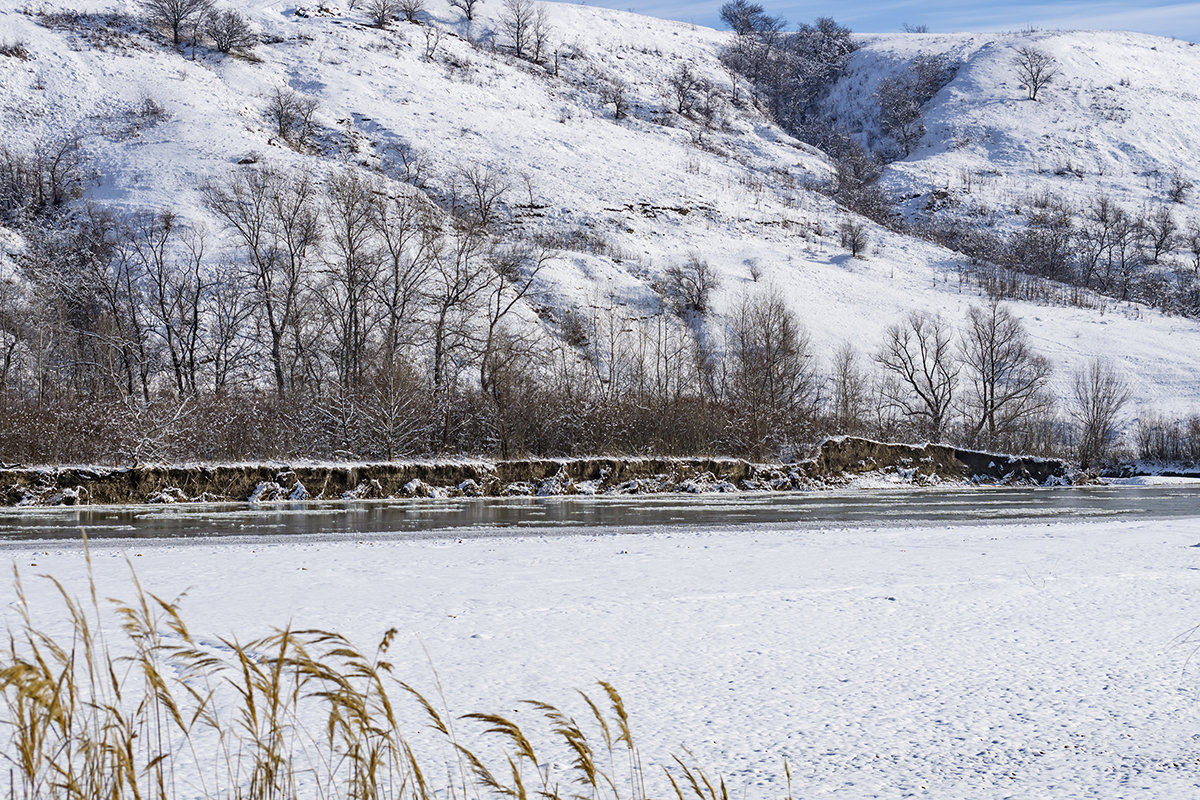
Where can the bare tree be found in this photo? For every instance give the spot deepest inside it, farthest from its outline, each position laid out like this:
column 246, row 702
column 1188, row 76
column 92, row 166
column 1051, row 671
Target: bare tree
column 850, row 391
column 688, row 287
column 395, row 410
column 292, row 114
column 770, row 385
column 516, row 269
column 853, row 235
column 747, row 18
column 515, row 394
column 479, row 193
column 1099, row 395
column 274, row 222
column 352, row 261
column 517, row 21
column 1192, row 239
column 1006, row 380
column 412, row 9
column 466, row 6
column 456, row 285
column 433, row 38
column 1035, row 69
column 682, row 86
column 918, row 353
column 409, row 237
column 171, row 253
column 1161, row 232
column 615, row 91
column 176, row 15
column 381, row 12
column 230, row 31
column 228, row 345
column 402, row 161
column 539, row 33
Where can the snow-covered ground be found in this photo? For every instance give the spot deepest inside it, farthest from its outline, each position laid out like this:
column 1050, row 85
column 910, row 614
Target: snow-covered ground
column 1047, row 660
column 656, row 190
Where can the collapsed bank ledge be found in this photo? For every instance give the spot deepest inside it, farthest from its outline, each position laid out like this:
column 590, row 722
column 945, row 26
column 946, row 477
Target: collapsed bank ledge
column 836, row 462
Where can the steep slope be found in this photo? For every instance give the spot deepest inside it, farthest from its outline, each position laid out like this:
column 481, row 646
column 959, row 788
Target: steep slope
column 648, row 191
column 1120, row 118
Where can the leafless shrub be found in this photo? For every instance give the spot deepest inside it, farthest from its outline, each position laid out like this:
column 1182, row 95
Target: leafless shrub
column 1179, row 186
column 291, row 114
column 581, row 239
column 42, row 179
column 688, row 287
column 113, row 31
column 433, row 38
column 574, row 328
column 1165, row 440
column 176, row 15
column 151, row 112
column 381, row 12
column 15, row 49
column 412, row 9
column 683, row 88
column 615, row 92
column 403, row 161
column 230, row 31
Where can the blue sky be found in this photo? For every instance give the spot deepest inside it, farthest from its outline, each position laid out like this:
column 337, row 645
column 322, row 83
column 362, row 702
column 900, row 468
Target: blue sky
column 1178, row 19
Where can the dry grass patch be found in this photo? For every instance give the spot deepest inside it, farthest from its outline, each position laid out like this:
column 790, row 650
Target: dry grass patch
column 147, row 710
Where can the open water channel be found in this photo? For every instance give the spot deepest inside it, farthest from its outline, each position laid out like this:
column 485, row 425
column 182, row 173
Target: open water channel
column 464, row 517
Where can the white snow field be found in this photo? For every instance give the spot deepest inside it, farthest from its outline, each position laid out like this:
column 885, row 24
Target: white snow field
column 656, row 190
column 1052, row 660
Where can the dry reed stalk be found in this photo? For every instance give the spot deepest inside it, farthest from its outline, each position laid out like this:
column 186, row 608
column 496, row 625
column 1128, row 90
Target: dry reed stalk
column 86, row 720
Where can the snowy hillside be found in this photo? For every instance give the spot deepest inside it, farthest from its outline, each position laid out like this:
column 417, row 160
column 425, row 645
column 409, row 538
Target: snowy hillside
column 627, row 198
column 1119, row 117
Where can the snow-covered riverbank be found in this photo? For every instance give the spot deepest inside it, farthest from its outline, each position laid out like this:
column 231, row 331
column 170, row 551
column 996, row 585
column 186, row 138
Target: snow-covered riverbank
column 1035, row 660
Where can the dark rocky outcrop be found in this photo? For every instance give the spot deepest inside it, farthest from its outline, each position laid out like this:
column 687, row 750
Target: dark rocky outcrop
column 836, row 462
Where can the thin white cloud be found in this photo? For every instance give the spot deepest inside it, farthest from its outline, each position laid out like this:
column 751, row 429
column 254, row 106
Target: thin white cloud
column 1175, row 19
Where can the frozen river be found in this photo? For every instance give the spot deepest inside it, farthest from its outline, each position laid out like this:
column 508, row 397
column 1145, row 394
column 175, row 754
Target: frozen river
column 465, row 517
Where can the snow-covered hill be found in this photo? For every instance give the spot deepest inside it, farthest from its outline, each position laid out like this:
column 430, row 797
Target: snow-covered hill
column 1119, row 118
column 650, row 190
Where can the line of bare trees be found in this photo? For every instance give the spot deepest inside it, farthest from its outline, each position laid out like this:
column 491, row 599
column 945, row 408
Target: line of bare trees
column 347, row 317
column 1149, row 255
column 337, row 320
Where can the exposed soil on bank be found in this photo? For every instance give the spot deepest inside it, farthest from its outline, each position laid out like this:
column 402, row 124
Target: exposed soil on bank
column 836, row 462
